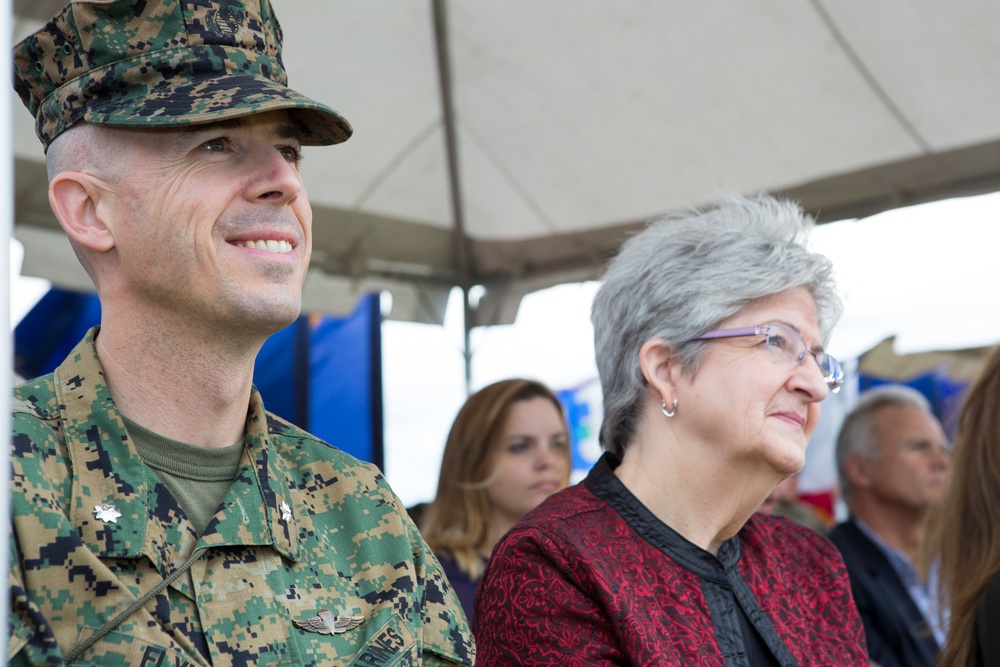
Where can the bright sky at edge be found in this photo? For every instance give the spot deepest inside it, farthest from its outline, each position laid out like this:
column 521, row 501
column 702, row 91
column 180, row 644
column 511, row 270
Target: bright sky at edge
column 926, row 274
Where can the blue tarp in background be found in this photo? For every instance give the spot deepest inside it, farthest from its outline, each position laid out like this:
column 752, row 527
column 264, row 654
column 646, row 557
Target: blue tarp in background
column 44, row 337
column 321, row 373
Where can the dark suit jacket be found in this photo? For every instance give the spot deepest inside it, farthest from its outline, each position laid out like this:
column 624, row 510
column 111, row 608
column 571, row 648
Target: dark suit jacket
column 897, row 633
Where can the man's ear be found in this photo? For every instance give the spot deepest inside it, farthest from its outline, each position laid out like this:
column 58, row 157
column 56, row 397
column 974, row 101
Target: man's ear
column 74, row 197
column 658, row 366
column 859, row 471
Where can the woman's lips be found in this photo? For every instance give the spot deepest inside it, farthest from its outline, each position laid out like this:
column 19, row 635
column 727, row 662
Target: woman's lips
column 793, row 418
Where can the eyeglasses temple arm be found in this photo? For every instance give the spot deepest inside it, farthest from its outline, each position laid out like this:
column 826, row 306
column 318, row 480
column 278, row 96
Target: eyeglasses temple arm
column 731, row 333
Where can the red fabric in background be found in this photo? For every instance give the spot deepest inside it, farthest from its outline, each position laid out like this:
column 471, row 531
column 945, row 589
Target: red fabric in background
column 823, row 501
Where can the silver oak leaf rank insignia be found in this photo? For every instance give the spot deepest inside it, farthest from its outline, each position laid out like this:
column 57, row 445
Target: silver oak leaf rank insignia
column 106, row 513
column 326, row 623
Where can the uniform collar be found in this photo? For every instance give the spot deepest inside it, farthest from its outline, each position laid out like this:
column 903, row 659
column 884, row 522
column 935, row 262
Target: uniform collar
column 107, row 470
column 258, row 508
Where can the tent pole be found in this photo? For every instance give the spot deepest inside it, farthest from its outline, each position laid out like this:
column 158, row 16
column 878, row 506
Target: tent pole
column 467, row 338
column 6, row 232
column 460, row 243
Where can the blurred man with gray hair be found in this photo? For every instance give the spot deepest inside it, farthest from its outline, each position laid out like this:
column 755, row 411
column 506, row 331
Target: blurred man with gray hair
column 893, row 459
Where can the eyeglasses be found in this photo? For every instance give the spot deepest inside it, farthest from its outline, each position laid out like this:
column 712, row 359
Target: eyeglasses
column 785, row 343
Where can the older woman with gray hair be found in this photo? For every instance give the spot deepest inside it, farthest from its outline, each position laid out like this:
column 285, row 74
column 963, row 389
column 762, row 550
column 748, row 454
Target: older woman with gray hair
column 709, row 332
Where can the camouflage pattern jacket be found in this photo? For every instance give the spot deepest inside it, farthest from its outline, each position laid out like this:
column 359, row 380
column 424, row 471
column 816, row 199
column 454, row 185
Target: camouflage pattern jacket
column 304, row 529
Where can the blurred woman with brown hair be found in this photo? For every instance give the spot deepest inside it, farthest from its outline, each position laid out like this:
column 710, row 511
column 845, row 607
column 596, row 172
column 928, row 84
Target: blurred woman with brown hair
column 508, row 450
column 965, row 529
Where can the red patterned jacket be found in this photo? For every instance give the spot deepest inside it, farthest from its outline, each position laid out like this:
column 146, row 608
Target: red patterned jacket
column 591, row 577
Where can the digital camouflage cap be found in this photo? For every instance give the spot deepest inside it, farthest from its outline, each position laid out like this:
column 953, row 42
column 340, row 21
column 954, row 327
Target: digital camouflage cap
column 162, row 63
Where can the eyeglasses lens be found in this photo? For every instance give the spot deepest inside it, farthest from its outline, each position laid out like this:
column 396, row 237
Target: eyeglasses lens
column 832, row 372
column 786, row 344
column 783, row 344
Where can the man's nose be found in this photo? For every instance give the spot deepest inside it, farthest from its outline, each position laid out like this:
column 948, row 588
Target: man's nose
column 276, row 180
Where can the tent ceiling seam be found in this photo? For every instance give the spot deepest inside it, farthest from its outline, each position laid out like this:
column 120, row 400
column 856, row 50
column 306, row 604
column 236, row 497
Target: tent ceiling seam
column 394, row 163
column 869, row 78
column 508, row 176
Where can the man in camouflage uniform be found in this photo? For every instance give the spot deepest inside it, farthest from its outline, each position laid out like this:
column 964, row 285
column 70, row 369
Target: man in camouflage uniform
column 160, row 515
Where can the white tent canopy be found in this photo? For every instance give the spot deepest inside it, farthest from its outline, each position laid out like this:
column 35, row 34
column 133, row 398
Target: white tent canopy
column 572, row 121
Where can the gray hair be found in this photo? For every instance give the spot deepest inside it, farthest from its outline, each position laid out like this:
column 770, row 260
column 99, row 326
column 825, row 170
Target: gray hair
column 89, row 147
column 857, row 436
column 683, row 275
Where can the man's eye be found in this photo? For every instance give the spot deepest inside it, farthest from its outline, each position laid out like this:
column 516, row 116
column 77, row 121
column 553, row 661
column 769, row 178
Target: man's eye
column 216, row 145
column 291, row 153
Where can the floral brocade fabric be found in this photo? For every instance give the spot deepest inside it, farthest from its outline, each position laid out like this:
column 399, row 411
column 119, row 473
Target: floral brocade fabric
column 591, row 577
